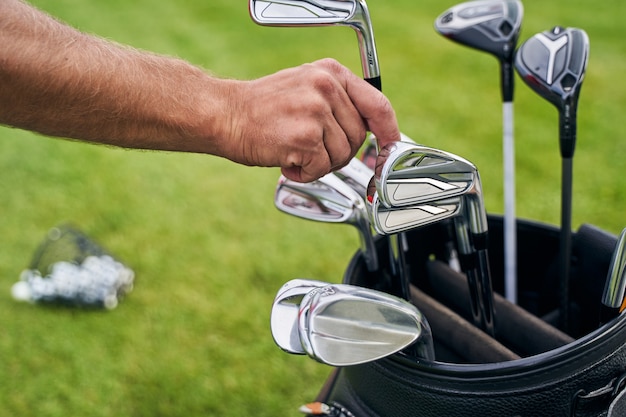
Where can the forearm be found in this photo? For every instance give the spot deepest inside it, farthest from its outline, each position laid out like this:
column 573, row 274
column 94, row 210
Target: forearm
column 308, row 120
column 60, row 82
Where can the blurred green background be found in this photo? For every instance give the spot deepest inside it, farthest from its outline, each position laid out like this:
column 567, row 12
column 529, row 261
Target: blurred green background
column 202, row 234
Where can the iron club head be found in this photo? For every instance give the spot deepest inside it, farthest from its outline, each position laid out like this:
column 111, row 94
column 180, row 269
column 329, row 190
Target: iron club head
column 284, row 315
column 352, row 13
column 342, row 325
column 409, row 174
column 329, row 200
column 388, row 221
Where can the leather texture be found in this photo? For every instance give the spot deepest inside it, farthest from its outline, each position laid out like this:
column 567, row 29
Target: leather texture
column 581, row 378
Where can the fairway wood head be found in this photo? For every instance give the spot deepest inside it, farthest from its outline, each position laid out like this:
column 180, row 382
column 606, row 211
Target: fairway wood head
column 492, row 26
column 409, row 174
column 284, row 315
column 553, row 63
column 342, row 325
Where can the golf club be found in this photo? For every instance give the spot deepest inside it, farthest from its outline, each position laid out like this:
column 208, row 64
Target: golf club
column 478, row 232
column 613, row 297
column 440, row 185
column 343, row 325
column 328, row 200
column 493, row 26
column 352, row 13
column 553, row 64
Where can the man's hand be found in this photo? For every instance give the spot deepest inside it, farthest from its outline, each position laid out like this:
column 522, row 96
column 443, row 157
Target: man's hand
column 309, row 120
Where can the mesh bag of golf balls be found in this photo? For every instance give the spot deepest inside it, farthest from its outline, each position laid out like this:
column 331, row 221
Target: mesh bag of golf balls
column 69, row 268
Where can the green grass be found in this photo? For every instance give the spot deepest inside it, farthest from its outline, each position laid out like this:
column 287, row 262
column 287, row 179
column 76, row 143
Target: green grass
column 209, row 248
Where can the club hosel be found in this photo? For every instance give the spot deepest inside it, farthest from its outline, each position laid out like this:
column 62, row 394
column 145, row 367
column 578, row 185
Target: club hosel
column 567, row 130
column 507, row 83
column 475, row 210
column 480, row 240
column 375, row 82
column 468, row 261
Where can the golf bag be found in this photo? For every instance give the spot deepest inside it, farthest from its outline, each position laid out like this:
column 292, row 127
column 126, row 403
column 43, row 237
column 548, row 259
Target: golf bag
column 531, row 368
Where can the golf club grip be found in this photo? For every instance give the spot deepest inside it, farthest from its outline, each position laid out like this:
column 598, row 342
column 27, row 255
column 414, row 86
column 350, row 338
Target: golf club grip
column 519, row 330
column 461, row 337
column 376, row 82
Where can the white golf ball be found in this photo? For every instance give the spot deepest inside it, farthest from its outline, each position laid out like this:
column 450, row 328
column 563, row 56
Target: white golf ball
column 21, row 291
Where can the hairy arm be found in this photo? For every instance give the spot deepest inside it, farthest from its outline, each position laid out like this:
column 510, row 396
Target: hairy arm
column 60, row 82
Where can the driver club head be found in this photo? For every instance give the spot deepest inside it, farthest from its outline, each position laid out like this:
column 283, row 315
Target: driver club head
column 492, row 26
column 409, row 174
column 352, row 13
column 343, row 325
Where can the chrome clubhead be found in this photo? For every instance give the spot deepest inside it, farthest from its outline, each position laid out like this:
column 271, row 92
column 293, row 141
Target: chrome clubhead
column 343, row 325
column 396, row 220
column 284, row 316
column 409, row 174
column 302, row 12
column 357, row 175
column 352, row 13
column 329, row 200
column 388, row 221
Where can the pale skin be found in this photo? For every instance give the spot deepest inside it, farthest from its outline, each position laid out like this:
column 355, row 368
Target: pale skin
column 60, row 82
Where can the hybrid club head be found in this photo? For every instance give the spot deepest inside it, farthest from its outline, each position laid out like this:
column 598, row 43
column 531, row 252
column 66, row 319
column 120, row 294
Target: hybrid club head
column 409, row 174
column 492, row 26
column 284, row 315
column 553, row 64
column 329, row 200
column 343, row 325
column 352, row 13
